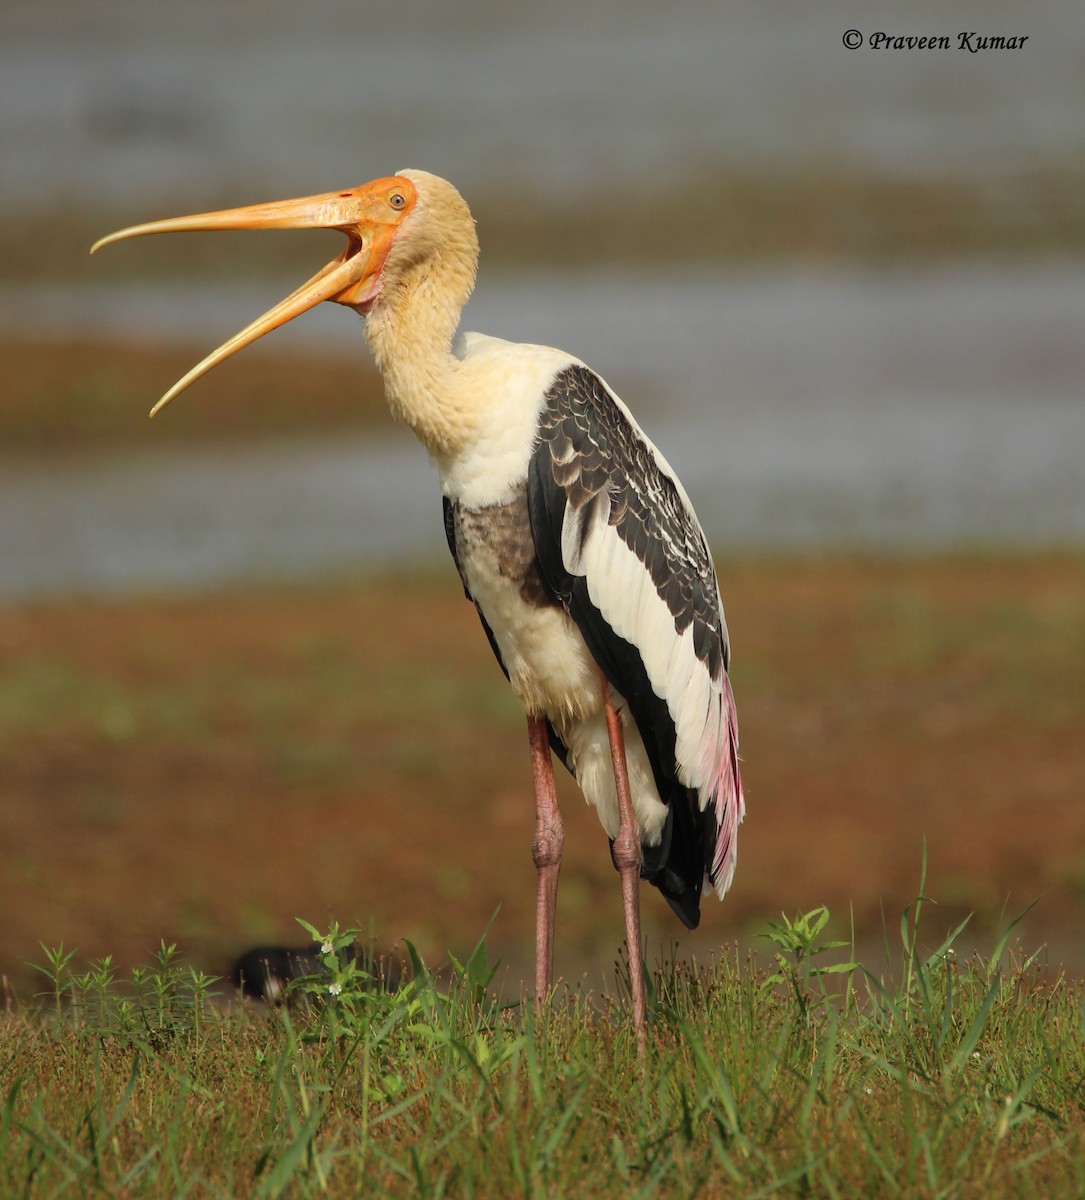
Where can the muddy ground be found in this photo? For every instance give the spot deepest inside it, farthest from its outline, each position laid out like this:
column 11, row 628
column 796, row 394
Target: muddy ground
column 207, row 769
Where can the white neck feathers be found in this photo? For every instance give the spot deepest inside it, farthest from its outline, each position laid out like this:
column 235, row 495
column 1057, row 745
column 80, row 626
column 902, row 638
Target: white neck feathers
column 426, row 281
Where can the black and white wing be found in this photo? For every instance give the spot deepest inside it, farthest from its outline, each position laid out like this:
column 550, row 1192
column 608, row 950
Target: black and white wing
column 618, row 542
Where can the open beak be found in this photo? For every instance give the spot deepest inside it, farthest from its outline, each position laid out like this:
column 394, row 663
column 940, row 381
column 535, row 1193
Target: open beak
column 369, row 215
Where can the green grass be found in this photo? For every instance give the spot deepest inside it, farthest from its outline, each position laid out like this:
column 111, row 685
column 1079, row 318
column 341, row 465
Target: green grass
column 927, row 1077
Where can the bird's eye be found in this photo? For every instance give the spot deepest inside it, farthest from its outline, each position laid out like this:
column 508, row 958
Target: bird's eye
column 397, row 200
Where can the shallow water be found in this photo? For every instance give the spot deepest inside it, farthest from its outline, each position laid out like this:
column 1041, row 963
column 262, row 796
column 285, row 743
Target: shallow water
column 132, row 102
column 908, row 411
column 840, row 410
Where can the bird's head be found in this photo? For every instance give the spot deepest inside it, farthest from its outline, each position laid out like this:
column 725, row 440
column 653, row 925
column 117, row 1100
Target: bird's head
column 392, row 225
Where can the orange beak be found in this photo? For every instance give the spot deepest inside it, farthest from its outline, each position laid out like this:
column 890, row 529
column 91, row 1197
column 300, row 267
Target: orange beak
column 369, row 215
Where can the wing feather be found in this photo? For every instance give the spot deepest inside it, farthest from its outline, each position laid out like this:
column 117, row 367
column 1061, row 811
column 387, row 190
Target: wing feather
column 617, row 540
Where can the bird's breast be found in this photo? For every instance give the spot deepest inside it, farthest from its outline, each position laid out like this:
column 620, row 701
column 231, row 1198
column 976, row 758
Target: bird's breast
column 500, row 388
column 549, row 666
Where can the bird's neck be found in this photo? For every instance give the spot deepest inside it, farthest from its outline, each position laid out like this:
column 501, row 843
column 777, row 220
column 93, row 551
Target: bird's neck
column 410, row 331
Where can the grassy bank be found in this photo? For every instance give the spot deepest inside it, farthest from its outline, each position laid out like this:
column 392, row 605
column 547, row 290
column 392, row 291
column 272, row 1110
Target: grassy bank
column 69, row 397
column 208, row 768
column 929, row 1076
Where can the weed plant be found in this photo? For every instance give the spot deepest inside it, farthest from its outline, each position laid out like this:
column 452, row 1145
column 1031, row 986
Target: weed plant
column 932, row 1077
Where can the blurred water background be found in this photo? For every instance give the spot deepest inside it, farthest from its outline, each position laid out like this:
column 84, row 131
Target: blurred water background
column 903, row 382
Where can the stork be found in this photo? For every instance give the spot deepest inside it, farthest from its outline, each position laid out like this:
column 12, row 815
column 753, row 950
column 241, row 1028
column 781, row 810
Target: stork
column 572, row 536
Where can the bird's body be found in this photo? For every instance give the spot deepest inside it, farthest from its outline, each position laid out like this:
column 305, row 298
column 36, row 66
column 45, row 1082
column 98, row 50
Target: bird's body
column 571, row 534
column 562, row 593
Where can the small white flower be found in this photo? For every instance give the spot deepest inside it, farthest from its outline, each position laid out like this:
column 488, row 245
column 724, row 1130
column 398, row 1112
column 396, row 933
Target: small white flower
column 326, row 946
column 335, row 988
column 869, row 1091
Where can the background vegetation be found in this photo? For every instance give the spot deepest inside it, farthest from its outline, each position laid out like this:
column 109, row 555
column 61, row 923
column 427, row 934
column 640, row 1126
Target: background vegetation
column 931, row 1077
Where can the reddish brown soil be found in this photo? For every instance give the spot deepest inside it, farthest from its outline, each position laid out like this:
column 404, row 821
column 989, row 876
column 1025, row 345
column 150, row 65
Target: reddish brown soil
column 208, row 769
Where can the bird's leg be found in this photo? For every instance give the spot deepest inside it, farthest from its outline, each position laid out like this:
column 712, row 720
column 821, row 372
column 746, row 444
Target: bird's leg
column 546, row 851
column 626, row 855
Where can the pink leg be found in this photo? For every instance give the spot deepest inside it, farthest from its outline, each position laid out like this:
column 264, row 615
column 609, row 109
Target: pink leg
column 627, row 859
column 546, row 851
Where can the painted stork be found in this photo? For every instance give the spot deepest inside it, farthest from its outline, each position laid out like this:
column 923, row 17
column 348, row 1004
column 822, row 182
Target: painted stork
column 572, row 536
